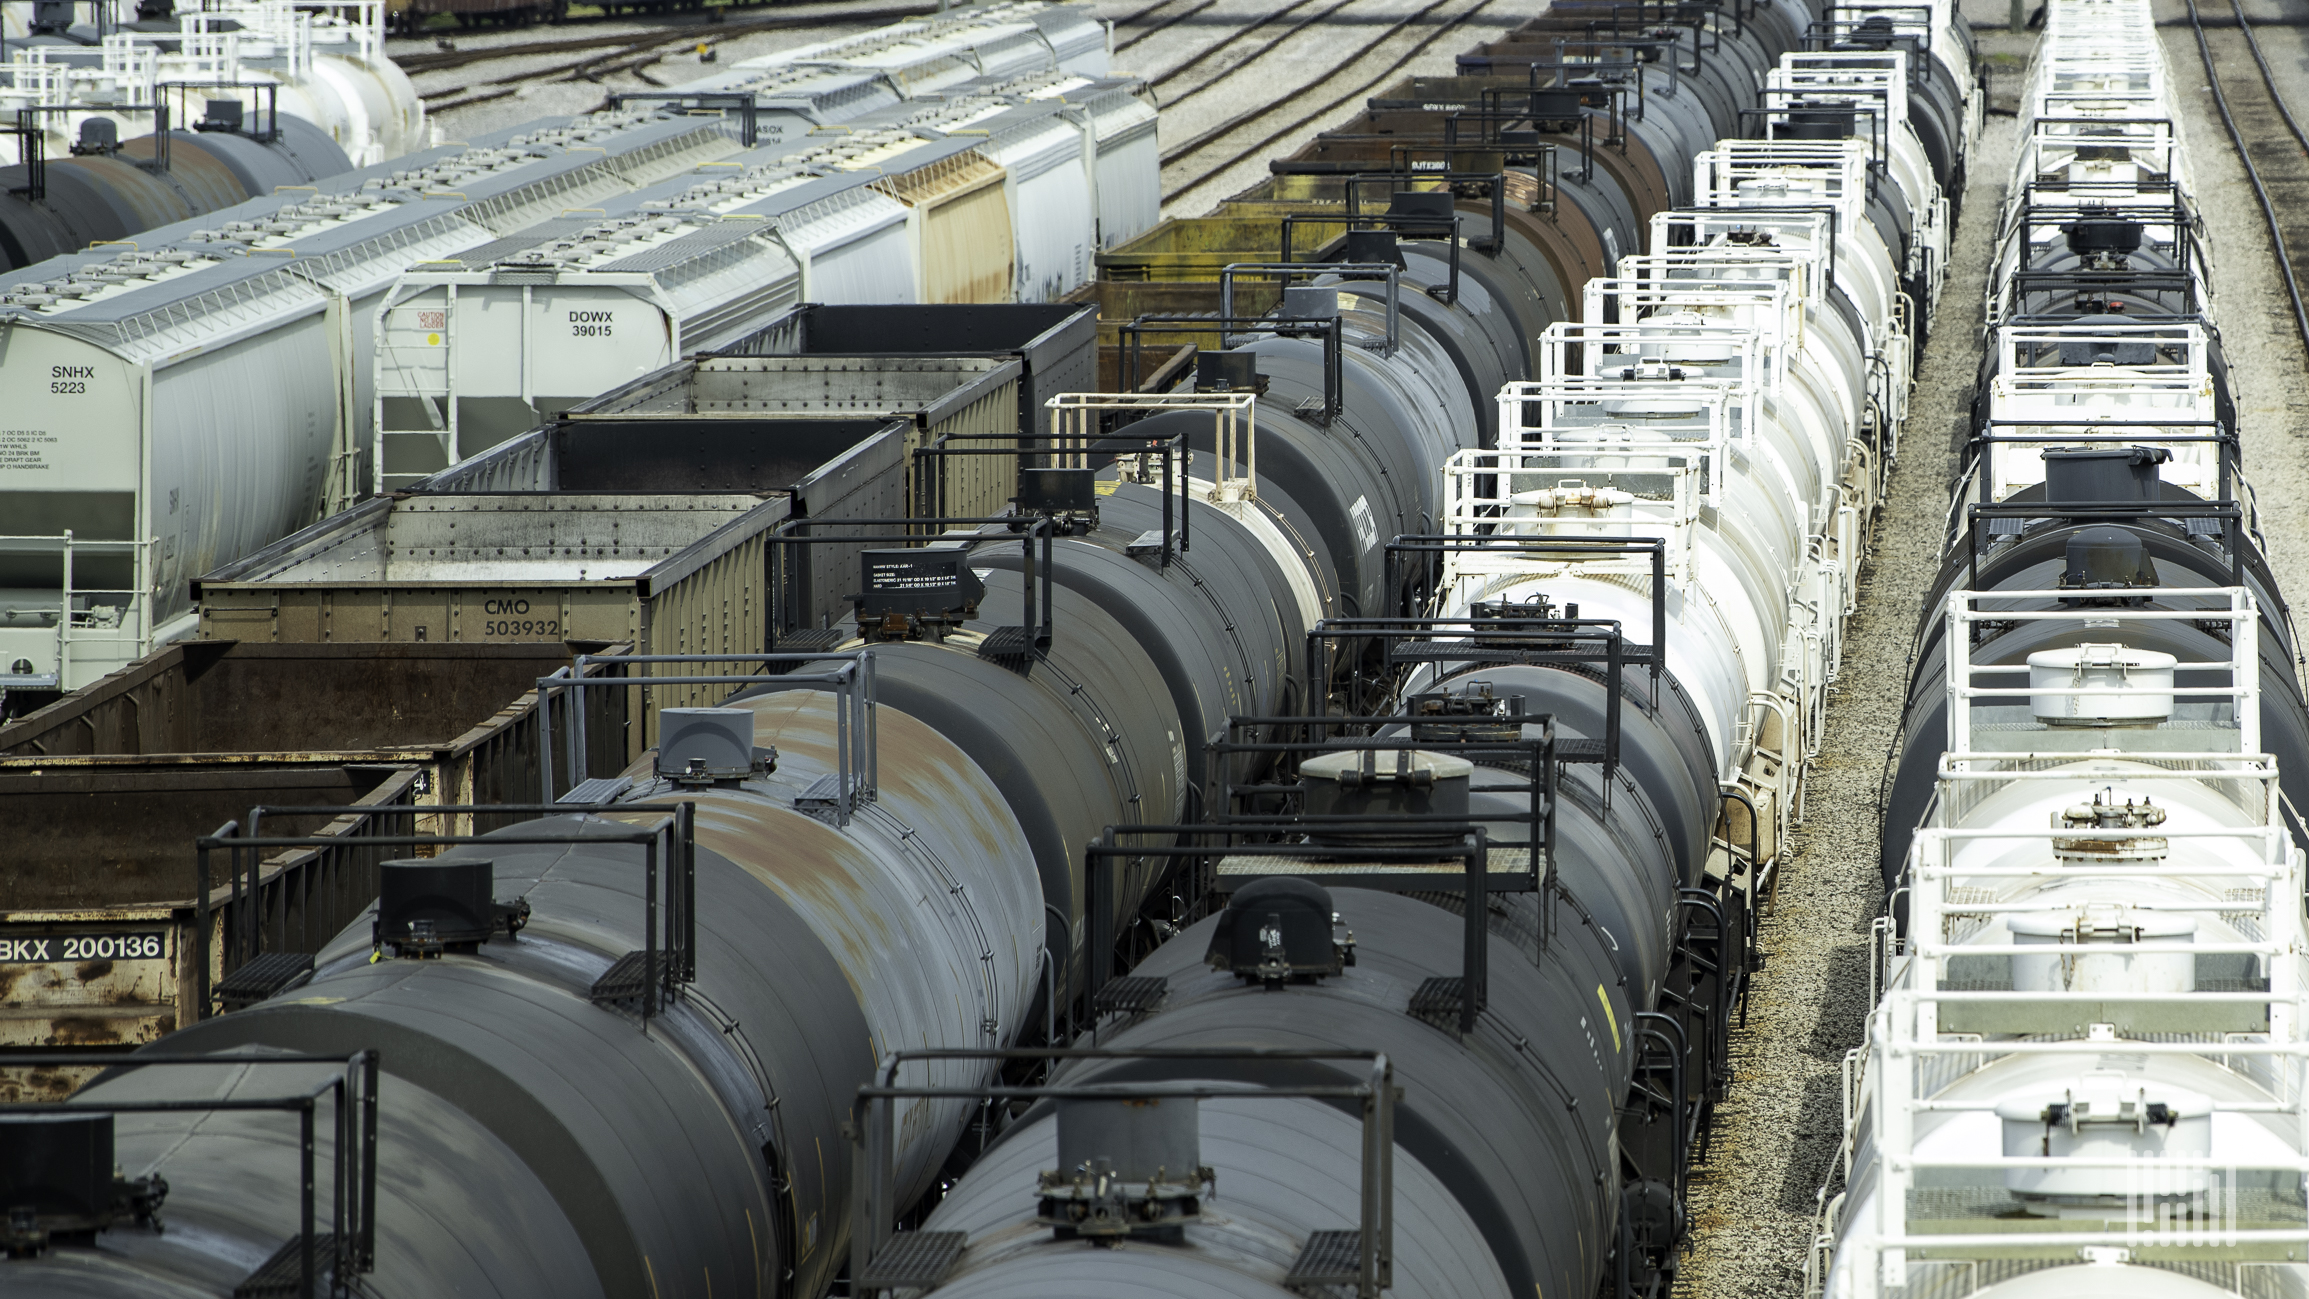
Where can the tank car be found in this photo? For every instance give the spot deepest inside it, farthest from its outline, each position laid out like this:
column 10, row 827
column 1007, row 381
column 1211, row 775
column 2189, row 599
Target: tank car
column 2082, row 1074
column 324, row 63
column 1019, row 740
column 1055, row 693
column 109, row 191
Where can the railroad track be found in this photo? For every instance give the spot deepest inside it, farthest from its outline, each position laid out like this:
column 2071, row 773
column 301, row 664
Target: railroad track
column 1226, row 42
column 2271, row 144
column 600, row 56
column 1218, row 149
column 1186, row 9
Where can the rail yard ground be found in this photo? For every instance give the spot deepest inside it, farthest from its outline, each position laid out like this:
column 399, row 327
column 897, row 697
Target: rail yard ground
column 1238, row 81
column 1776, row 1137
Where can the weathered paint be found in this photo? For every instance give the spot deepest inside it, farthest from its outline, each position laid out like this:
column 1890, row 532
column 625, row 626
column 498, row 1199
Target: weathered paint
column 929, row 900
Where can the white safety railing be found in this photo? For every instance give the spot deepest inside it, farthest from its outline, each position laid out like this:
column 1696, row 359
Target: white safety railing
column 1942, row 1196
column 1659, row 375
column 68, row 639
column 1776, row 172
column 1076, row 417
column 2236, row 677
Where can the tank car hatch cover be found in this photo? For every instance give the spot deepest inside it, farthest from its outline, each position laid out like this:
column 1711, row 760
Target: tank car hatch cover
column 2106, row 558
column 2103, row 475
column 426, row 905
column 1269, row 1152
column 1360, row 782
column 1127, row 1166
column 707, row 745
column 1277, row 929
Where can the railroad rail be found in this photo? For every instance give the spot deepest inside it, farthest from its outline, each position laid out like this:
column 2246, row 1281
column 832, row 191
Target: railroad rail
column 1282, row 115
column 1187, row 9
column 604, row 55
column 2277, row 169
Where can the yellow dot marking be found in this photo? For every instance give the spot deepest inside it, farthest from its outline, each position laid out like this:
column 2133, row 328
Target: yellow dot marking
column 432, row 340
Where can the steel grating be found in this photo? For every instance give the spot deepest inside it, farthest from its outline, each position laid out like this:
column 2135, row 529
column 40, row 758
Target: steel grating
column 282, row 1275
column 265, row 974
column 599, row 789
column 1330, row 1258
column 914, row 1259
column 1440, row 995
column 1009, row 646
column 626, row 980
column 1131, row 995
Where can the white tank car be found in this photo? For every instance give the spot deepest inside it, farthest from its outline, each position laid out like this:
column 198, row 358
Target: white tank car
column 324, row 62
column 2086, row 1073
column 1737, row 392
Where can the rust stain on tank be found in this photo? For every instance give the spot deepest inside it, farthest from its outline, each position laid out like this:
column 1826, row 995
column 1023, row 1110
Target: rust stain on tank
column 43, row 1083
column 83, row 1030
column 91, row 971
column 913, row 761
column 817, row 864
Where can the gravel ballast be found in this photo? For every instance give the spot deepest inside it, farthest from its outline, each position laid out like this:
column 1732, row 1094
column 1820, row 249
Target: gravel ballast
column 1754, row 1201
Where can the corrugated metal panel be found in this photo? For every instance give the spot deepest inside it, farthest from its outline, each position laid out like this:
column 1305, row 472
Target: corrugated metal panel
column 855, row 247
column 668, row 158
column 1056, row 239
column 1129, row 163
column 720, row 301
column 971, row 486
column 1051, row 205
column 1014, row 51
column 916, row 76
column 1077, row 39
column 1130, row 195
column 720, row 606
column 961, row 221
column 232, row 435
column 877, row 267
